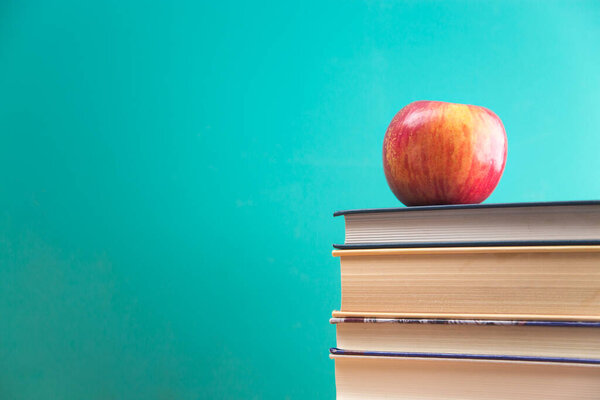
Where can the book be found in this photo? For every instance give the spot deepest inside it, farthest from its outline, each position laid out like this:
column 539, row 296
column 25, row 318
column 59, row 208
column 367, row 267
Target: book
column 516, row 338
column 510, row 224
column 433, row 377
column 530, row 282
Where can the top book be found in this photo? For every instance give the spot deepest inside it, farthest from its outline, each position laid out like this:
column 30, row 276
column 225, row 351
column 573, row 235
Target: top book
column 508, row 224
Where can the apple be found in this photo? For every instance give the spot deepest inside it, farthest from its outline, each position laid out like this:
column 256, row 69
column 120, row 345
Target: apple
column 444, row 153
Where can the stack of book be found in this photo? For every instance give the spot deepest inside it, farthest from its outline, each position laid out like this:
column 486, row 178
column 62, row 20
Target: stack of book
column 497, row 301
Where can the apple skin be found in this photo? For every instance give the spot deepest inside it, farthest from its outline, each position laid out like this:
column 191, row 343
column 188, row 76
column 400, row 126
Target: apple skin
column 444, row 153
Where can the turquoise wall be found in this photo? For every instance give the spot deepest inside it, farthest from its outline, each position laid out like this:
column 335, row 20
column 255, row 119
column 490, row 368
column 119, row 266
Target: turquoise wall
column 168, row 171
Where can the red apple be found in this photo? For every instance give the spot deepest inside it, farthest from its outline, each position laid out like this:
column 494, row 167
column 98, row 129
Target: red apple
column 444, row 153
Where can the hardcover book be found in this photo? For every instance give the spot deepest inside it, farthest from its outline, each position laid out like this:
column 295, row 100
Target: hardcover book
column 510, row 224
column 468, row 378
column 520, row 338
column 550, row 282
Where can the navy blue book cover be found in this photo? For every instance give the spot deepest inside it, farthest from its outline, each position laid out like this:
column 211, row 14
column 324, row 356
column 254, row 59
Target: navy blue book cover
column 469, row 206
column 342, row 352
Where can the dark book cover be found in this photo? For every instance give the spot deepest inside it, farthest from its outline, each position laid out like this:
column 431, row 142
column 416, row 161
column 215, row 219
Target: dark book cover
column 342, row 352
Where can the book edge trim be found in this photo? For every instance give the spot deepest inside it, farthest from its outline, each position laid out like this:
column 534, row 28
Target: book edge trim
column 529, row 243
column 477, row 322
column 520, row 317
column 562, row 360
column 472, row 250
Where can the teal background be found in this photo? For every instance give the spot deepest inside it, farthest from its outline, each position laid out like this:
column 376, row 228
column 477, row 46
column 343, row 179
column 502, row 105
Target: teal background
column 168, row 171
